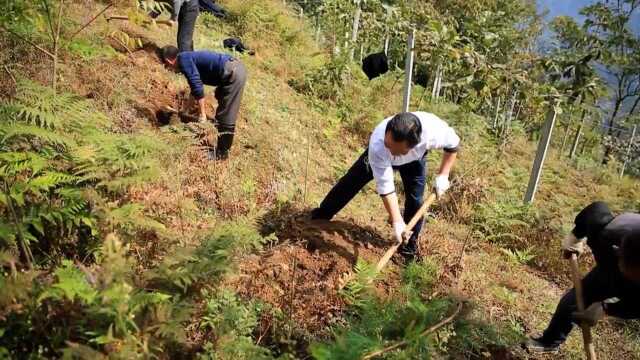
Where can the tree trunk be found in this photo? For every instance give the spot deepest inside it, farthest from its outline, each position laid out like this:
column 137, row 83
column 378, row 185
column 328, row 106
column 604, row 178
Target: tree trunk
column 635, row 105
column 509, row 114
column 611, row 123
column 576, row 138
column 354, row 29
column 495, row 118
column 565, row 136
column 56, row 48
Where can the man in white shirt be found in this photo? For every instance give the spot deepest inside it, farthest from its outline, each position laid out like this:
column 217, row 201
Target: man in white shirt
column 397, row 143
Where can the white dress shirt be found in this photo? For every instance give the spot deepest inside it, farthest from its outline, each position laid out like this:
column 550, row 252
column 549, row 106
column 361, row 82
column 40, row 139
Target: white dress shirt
column 436, row 134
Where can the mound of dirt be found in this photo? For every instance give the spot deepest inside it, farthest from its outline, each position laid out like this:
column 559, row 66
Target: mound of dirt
column 302, row 274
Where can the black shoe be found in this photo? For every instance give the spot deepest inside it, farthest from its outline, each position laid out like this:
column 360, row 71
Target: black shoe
column 316, row 214
column 536, row 345
column 225, row 140
column 409, row 255
column 213, row 155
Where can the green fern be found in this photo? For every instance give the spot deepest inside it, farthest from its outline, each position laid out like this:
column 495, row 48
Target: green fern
column 56, row 152
column 355, row 291
column 71, row 285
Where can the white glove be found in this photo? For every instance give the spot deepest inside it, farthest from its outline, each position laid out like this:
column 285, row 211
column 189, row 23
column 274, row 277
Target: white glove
column 571, row 244
column 399, row 228
column 441, row 185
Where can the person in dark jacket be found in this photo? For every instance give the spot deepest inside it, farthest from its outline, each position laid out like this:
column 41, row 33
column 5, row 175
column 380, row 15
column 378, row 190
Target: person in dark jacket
column 186, row 12
column 375, row 65
column 612, row 287
column 224, row 72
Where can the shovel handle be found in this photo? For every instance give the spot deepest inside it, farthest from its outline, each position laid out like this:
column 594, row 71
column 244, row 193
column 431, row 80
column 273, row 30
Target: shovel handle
column 392, row 250
column 412, row 223
column 126, row 18
column 589, row 348
column 420, row 213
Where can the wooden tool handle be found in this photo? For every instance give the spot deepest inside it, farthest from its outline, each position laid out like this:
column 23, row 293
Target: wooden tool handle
column 420, row 213
column 146, row 22
column 589, row 348
column 412, row 223
column 117, row 17
column 392, row 250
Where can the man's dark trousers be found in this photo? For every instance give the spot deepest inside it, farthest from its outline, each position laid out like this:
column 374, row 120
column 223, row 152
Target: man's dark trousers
column 413, row 177
column 229, row 96
column 186, row 24
column 599, row 285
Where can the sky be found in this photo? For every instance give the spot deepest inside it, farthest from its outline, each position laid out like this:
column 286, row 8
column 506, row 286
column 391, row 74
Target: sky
column 572, row 8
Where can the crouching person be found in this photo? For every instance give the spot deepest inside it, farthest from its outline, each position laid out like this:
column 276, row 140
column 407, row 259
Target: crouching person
column 612, row 287
column 224, row 72
column 398, row 143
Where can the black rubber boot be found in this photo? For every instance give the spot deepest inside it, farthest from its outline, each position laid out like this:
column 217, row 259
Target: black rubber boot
column 537, row 345
column 225, row 140
column 409, row 255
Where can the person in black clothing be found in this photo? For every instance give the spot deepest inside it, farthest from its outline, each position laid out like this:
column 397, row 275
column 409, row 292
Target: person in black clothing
column 375, row 65
column 186, row 12
column 224, row 72
column 612, row 287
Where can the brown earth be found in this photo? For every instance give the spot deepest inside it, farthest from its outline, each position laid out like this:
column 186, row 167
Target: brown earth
column 303, row 273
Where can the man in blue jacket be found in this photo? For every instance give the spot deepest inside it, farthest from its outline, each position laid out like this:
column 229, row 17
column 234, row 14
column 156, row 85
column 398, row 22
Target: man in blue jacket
column 224, row 72
column 612, row 287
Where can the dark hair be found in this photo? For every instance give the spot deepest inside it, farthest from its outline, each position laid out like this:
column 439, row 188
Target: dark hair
column 405, row 126
column 592, row 219
column 169, row 52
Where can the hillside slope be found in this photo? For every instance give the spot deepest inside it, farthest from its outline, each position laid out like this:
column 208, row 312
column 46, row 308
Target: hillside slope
column 274, row 291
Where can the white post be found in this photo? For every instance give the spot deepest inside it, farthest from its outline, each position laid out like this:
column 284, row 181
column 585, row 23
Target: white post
column 543, row 146
column 386, row 45
column 626, row 156
column 435, row 83
column 408, row 71
column 439, row 89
